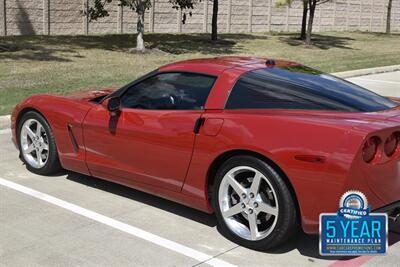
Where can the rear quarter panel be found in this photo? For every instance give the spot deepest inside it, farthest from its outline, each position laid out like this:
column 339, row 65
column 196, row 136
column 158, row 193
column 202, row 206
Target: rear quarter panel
column 280, row 138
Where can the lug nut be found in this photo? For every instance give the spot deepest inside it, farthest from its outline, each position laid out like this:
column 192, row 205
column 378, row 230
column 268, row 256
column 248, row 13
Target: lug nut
column 243, row 195
column 255, row 204
column 250, row 211
column 251, row 195
column 243, row 206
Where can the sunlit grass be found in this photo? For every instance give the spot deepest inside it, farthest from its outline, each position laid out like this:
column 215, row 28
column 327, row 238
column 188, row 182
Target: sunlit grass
column 62, row 64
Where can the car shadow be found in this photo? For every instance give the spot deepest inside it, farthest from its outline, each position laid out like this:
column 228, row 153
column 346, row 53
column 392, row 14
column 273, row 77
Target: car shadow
column 307, row 245
column 143, row 197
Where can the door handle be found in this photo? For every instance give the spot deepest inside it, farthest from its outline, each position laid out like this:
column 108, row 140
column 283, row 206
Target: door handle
column 197, row 125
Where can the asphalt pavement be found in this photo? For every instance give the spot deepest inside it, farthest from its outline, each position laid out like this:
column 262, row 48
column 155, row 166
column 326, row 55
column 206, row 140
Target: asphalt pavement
column 75, row 220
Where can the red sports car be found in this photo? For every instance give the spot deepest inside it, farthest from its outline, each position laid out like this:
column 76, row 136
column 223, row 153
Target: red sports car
column 265, row 144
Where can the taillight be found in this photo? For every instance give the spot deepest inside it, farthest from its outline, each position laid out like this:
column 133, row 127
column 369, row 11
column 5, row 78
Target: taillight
column 392, row 144
column 370, row 149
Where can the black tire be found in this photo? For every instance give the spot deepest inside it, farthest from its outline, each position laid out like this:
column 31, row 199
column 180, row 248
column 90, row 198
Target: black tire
column 287, row 222
column 52, row 166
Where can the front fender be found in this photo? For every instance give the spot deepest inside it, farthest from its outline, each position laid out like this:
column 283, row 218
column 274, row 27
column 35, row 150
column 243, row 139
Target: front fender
column 65, row 117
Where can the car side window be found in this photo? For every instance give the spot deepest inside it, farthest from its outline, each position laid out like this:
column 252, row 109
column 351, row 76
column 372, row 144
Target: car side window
column 254, row 91
column 172, row 90
column 301, row 88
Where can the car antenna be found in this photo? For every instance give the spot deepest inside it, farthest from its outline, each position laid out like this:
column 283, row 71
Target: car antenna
column 270, row 62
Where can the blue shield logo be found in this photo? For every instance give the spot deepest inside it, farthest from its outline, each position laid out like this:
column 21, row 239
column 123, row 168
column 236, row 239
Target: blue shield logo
column 353, row 230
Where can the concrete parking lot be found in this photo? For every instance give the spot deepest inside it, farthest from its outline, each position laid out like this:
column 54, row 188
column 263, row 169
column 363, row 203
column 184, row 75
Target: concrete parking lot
column 387, row 84
column 72, row 219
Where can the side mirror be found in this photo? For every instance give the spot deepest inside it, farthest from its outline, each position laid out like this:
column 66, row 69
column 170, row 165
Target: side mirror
column 114, row 105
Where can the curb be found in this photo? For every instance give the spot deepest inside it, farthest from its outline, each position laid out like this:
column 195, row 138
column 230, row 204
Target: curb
column 362, row 72
column 5, row 122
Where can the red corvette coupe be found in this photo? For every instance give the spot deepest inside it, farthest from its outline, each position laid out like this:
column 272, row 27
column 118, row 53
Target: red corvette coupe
column 267, row 145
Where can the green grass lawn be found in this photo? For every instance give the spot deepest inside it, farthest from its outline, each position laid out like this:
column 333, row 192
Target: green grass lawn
column 62, row 64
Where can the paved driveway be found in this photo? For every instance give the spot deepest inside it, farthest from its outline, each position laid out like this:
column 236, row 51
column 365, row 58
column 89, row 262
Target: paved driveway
column 72, row 219
column 387, row 84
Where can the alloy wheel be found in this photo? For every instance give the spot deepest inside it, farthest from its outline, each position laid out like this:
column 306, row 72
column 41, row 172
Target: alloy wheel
column 248, row 203
column 34, row 143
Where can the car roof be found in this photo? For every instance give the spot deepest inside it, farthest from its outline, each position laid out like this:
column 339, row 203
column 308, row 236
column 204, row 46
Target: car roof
column 215, row 66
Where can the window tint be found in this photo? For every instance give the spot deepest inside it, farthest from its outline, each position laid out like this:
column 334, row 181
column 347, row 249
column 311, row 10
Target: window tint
column 299, row 87
column 170, row 91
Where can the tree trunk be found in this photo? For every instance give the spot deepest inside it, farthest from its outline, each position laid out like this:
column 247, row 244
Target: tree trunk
column 389, row 15
column 140, row 29
column 304, row 21
column 312, row 5
column 214, row 26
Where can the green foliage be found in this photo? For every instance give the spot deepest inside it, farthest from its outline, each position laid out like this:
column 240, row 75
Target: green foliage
column 136, row 4
column 281, row 3
column 97, row 10
column 183, row 4
column 99, row 7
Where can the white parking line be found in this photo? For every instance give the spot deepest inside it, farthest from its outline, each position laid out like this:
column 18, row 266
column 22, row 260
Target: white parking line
column 372, row 80
column 160, row 241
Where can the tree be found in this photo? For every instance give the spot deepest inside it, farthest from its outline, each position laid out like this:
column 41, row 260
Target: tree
column 98, row 10
column 312, row 5
column 214, row 22
column 309, row 6
column 304, row 20
column 304, row 17
column 389, row 15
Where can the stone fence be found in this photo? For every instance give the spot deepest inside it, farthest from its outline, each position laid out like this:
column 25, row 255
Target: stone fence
column 65, row 17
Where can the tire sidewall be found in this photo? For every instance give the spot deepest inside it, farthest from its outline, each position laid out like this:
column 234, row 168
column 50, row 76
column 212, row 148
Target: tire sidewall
column 52, row 165
column 285, row 225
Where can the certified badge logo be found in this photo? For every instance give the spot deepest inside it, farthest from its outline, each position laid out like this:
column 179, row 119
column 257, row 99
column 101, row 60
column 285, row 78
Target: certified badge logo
column 353, row 230
column 353, row 205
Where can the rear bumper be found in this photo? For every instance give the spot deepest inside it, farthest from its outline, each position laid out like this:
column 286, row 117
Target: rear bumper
column 379, row 183
column 381, row 180
column 384, row 181
column 392, row 209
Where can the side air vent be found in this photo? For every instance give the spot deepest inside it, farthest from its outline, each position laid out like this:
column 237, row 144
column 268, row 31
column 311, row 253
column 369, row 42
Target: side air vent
column 72, row 138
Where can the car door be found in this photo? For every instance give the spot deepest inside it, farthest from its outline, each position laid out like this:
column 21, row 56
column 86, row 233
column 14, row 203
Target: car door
column 151, row 140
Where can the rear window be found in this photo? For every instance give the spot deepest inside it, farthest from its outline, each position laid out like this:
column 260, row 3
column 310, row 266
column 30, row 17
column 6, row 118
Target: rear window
column 300, row 87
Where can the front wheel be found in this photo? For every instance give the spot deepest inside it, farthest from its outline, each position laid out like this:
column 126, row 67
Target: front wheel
column 253, row 204
column 37, row 144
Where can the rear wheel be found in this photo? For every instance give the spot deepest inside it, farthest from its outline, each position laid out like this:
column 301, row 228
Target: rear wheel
column 253, row 204
column 37, row 145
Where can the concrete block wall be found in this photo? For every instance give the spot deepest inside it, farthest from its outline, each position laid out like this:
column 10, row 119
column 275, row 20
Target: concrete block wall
column 24, row 17
column 236, row 16
column 65, row 16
